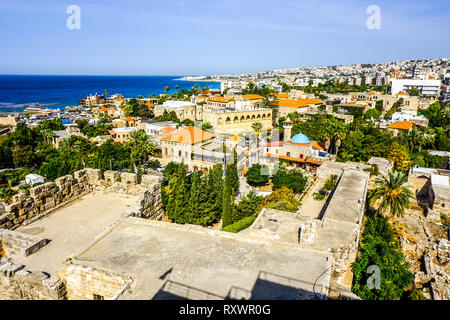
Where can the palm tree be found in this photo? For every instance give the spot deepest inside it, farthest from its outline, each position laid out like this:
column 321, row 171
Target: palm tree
column 415, row 138
column 257, row 127
column 445, row 112
column 47, row 134
column 421, row 137
column 176, row 87
column 141, row 146
column 394, row 196
column 106, row 92
column 166, row 89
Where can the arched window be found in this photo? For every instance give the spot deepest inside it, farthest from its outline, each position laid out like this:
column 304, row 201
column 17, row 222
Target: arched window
column 219, row 121
column 258, row 117
column 228, row 120
column 236, row 119
column 263, row 116
column 242, row 119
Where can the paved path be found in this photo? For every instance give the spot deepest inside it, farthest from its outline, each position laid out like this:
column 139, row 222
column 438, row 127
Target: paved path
column 311, row 207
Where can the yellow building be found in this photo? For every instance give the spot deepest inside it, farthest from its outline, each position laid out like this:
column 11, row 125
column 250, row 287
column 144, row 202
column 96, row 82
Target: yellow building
column 286, row 106
column 194, row 147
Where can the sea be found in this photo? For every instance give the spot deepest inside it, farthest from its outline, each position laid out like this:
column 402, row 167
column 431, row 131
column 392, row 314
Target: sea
column 17, row 92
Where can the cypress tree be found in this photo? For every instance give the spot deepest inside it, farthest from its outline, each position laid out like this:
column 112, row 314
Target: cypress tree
column 233, row 172
column 181, row 207
column 194, row 199
column 215, row 189
column 227, row 204
column 173, row 184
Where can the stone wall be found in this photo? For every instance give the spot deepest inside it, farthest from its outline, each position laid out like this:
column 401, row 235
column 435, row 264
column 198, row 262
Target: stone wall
column 16, row 283
column 83, row 282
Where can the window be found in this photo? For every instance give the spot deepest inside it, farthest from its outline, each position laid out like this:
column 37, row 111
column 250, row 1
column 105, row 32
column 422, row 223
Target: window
column 98, row 297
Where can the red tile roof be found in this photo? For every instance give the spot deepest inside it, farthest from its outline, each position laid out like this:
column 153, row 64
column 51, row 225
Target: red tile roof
column 404, row 125
column 189, row 135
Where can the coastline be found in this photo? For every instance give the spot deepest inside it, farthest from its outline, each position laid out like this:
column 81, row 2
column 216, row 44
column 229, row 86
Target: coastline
column 198, row 80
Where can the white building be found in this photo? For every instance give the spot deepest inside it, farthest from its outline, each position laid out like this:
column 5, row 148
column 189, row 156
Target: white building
column 427, row 87
column 410, row 116
column 33, row 179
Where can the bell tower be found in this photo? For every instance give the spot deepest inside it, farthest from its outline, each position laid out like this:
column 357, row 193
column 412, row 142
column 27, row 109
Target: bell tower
column 287, row 126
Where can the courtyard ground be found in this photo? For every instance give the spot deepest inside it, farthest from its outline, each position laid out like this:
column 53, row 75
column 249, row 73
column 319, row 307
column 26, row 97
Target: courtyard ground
column 72, row 227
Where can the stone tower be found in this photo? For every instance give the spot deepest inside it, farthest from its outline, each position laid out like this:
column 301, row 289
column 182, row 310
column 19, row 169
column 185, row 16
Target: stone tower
column 287, row 126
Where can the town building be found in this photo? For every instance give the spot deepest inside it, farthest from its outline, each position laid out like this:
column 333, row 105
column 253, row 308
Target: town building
column 426, row 87
column 398, row 126
column 121, row 135
column 298, row 150
column 287, row 106
column 196, row 148
column 183, row 109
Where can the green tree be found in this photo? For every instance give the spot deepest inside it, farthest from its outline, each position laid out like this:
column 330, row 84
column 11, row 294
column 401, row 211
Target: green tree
column 206, row 126
column 24, row 156
column 372, row 114
column 380, row 248
column 292, row 179
column 178, row 204
column 281, row 199
column 393, row 195
column 256, row 176
column 227, row 204
column 247, row 206
column 414, row 92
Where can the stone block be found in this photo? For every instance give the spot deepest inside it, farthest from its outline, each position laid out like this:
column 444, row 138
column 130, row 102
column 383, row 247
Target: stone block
column 148, row 180
column 94, row 175
column 49, row 205
column 111, row 176
column 128, row 178
column 62, row 181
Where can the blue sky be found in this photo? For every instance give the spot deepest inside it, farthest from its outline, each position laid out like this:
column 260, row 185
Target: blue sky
column 156, row 37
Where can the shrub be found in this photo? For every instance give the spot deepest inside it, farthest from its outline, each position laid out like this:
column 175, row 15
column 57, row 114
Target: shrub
column 240, row 225
column 330, row 183
column 319, row 196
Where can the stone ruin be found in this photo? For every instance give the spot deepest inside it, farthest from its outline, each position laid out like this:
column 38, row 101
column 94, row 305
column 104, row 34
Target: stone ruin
column 48, row 197
column 18, row 283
